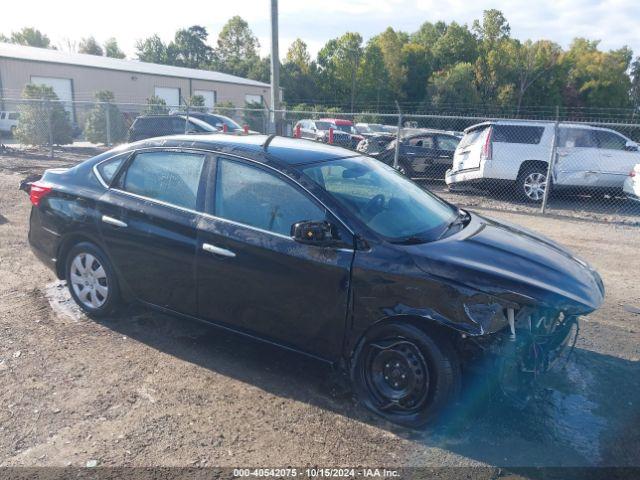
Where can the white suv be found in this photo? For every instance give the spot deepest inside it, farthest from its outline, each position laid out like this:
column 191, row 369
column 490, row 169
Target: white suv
column 517, row 152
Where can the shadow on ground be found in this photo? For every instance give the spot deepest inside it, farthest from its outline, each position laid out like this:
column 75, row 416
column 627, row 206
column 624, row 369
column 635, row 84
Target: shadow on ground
column 586, row 415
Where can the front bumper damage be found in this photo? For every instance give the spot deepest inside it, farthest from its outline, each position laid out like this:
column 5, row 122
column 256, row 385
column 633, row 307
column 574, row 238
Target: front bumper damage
column 534, row 341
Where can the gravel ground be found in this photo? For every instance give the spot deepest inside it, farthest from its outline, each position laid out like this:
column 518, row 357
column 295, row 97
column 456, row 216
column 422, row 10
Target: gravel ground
column 145, row 389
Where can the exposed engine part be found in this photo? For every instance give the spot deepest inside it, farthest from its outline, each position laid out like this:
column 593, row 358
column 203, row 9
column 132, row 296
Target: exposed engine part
column 512, row 323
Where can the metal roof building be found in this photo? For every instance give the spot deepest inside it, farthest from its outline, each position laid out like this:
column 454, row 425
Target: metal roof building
column 76, row 77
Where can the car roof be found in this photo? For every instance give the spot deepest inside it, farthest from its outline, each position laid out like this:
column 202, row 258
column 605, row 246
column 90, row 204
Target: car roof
column 337, row 121
column 539, row 123
column 281, row 151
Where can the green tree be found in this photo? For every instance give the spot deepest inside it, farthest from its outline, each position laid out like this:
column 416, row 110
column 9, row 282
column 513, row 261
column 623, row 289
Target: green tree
column 90, row 47
column 298, row 55
column 298, row 75
column 255, row 116
column 237, row 47
column 390, row 43
column 492, row 65
column 416, row 61
column 374, row 77
column 532, row 62
column 189, row 48
column 635, row 83
column 456, row 45
column 152, row 50
column 454, row 86
column 95, row 127
column 43, row 119
column 260, row 69
column 596, row 78
column 31, row 37
column 429, row 33
column 156, row 106
column 226, row 108
column 111, row 49
column 338, row 61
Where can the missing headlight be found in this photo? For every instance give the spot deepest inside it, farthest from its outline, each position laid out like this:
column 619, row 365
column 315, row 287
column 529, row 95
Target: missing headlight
column 490, row 316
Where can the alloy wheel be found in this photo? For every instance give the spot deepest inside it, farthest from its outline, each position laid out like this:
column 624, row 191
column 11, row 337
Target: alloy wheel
column 89, row 280
column 534, row 185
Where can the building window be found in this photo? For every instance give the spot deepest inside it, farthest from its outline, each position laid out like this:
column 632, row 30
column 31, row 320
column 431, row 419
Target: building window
column 248, row 99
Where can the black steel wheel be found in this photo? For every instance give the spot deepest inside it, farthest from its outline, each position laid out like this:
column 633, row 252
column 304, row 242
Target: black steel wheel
column 405, row 375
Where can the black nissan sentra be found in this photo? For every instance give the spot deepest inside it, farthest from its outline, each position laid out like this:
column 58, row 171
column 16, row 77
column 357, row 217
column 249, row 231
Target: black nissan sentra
column 319, row 250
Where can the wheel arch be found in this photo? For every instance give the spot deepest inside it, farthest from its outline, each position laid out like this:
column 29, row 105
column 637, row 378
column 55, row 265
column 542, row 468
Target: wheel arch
column 67, row 243
column 427, row 325
column 532, row 163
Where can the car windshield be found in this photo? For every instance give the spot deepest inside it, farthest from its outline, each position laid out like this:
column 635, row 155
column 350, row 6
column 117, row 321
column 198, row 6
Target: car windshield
column 384, row 200
column 471, row 136
column 324, row 125
column 345, row 128
column 370, row 128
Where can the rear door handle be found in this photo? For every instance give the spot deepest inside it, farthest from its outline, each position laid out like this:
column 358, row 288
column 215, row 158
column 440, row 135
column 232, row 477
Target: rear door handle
column 207, row 247
column 113, row 221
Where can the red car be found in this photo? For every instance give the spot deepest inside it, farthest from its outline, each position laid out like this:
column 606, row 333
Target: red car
column 346, row 126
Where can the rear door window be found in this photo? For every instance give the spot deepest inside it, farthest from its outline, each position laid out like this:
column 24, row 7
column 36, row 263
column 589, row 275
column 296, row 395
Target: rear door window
column 517, row 134
column 610, row 140
column 170, row 177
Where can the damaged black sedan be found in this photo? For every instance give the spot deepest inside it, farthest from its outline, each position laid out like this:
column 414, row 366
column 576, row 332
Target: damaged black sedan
column 318, row 250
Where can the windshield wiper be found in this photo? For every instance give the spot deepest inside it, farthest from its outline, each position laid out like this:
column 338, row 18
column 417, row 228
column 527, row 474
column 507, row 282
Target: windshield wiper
column 460, row 219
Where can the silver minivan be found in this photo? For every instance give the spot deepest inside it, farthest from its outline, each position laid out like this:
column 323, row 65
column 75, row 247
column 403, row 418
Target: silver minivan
column 518, row 152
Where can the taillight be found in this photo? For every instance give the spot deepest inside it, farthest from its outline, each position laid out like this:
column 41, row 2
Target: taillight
column 632, row 173
column 38, row 191
column 487, row 149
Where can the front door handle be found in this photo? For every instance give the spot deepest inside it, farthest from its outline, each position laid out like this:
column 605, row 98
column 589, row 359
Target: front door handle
column 207, row 247
column 113, row 221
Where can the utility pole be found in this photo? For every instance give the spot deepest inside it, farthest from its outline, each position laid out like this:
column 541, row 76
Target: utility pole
column 275, row 68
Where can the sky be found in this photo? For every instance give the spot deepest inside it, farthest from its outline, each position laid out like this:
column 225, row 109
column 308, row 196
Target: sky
column 614, row 22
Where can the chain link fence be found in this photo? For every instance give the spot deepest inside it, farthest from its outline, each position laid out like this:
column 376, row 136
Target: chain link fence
column 569, row 163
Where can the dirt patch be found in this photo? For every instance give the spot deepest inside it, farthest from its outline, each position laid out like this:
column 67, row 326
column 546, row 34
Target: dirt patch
column 146, row 389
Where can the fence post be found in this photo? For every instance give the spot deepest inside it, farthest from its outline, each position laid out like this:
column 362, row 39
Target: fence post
column 396, row 154
column 186, row 121
column 50, row 126
column 107, row 119
column 552, row 161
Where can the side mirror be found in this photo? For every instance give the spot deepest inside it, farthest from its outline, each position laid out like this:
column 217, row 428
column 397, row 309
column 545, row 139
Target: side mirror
column 313, row 233
column 631, row 147
column 191, row 131
column 219, row 126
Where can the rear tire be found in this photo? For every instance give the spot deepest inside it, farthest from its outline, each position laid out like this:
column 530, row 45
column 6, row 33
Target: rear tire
column 91, row 280
column 404, row 374
column 531, row 183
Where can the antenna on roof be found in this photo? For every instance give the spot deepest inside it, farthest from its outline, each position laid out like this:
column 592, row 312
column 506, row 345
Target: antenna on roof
column 266, row 143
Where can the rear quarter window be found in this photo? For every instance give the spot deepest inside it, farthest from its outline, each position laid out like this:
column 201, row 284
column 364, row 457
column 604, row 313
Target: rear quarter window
column 517, row 134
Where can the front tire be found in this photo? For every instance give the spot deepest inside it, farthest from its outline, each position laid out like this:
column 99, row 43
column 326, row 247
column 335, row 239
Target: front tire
column 404, row 374
column 91, row 280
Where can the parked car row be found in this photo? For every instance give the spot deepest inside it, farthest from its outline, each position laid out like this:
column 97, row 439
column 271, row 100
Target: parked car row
column 148, row 126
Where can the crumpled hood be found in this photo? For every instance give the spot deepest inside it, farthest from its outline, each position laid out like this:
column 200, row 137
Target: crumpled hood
column 496, row 257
